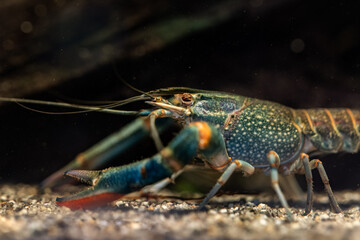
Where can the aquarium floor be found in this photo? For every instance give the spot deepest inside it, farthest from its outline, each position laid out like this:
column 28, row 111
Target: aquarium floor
column 28, row 213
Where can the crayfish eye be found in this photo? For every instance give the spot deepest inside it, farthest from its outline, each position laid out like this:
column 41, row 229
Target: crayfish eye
column 157, row 99
column 186, row 98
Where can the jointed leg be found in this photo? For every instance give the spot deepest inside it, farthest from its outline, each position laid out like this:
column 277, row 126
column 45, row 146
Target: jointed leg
column 274, row 164
column 158, row 186
column 237, row 164
column 159, row 113
column 302, row 166
column 316, row 163
column 306, row 168
column 309, row 180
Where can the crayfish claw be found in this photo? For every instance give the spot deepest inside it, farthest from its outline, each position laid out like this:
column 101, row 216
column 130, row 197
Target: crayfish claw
column 99, row 194
column 88, row 199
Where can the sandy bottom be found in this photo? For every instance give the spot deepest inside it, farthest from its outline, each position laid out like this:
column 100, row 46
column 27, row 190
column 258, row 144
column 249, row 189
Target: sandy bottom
column 27, row 213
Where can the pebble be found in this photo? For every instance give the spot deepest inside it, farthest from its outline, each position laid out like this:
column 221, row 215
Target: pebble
column 27, row 214
column 223, row 210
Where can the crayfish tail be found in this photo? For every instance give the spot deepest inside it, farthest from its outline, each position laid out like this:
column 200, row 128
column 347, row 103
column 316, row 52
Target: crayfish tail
column 85, row 176
column 87, row 199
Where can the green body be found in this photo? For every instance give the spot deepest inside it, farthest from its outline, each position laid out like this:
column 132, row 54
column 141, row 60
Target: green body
column 252, row 127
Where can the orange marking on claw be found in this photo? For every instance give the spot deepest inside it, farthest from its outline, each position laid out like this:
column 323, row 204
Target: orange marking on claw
column 205, row 133
column 90, row 202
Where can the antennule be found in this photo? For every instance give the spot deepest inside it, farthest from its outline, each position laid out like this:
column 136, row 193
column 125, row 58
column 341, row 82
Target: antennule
column 83, row 108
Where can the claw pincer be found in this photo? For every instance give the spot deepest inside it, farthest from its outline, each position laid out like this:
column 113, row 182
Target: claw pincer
column 112, row 183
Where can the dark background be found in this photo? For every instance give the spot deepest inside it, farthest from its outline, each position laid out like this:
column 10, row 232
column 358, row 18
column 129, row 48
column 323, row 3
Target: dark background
column 69, row 48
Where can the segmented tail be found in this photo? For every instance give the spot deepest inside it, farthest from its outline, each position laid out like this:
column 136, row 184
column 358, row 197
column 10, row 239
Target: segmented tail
column 331, row 130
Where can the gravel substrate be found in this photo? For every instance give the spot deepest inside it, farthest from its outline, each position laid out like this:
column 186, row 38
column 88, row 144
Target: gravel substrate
column 27, row 213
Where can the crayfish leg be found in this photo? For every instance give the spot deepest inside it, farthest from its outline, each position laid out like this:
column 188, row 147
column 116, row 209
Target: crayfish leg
column 274, row 161
column 236, row 164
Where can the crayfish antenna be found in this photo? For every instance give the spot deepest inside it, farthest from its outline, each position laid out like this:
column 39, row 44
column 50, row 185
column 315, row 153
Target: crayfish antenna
column 85, row 176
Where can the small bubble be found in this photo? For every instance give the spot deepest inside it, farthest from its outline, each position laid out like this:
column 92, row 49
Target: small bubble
column 26, row 27
column 297, row 45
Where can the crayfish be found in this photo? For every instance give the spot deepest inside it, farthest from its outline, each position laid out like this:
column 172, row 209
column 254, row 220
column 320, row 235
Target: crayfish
column 227, row 131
